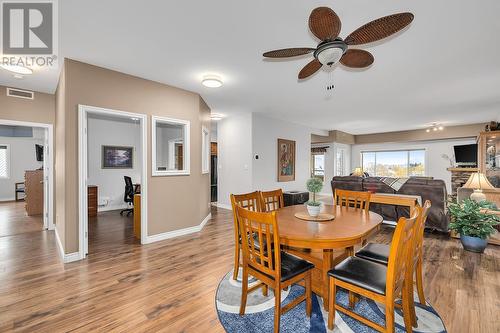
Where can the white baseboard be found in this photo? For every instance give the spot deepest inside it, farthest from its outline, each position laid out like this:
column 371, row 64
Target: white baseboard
column 177, row 233
column 70, row 257
column 224, row 206
column 7, row 199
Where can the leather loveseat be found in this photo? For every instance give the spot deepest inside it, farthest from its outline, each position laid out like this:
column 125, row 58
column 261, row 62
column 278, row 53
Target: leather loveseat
column 426, row 187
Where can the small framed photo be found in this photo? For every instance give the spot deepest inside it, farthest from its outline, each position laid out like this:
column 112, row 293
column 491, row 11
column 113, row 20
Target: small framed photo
column 116, row 157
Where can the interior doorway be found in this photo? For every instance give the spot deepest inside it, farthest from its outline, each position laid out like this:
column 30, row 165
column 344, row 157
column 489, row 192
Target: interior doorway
column 112, row 178
column 26, row 177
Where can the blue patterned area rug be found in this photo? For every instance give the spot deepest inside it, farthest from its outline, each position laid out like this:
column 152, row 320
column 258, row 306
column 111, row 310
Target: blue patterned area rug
column 259, row 316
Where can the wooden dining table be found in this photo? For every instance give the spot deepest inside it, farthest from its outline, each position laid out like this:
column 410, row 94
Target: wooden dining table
column 325, row 243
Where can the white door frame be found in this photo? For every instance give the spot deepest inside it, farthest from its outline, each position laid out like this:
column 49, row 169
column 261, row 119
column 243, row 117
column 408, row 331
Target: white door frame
column 83, row 111
column 48, row 162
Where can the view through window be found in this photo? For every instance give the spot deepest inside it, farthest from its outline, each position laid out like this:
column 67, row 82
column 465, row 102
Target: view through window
column 396, row 163
column 318, row 166
column 4, row 167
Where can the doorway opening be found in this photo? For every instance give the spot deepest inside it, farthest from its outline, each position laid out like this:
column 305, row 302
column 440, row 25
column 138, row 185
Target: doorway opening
column 112, row 179
column 26, row 177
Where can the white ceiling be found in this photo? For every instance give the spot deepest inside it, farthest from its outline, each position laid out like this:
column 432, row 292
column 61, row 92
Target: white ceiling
column 444, row 68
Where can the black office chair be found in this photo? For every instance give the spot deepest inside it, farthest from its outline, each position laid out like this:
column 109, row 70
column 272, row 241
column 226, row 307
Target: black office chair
column 128, row 197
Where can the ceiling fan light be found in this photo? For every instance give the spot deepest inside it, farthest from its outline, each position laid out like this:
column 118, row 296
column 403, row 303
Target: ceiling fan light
column 330, row 56
column 212, row 81
column 17, row 69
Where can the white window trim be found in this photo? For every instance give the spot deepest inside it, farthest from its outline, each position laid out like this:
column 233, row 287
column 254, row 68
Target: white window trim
column 8, row 160
column 187, row 147
column 205, row 150
column 426, row 157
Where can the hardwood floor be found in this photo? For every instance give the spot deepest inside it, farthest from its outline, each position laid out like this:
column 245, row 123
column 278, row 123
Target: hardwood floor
column 14, row 220
column 170, row 286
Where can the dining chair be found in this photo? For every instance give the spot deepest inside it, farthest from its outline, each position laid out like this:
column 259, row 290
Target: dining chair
column 379, row 253
column 356, row 199
column 378, row 282
column 275, row 269
column 272, row 200
column 251, row 201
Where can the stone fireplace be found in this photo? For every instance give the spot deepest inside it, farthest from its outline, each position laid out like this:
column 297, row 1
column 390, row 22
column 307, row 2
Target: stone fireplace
column 459, row 177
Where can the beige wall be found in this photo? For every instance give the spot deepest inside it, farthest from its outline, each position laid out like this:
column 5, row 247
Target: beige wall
column 41, row 109
column 450, row 132
column 174, row 202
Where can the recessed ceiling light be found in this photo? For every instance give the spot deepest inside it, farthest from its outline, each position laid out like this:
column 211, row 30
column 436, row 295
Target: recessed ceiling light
column 212, row 81
column 428, row 130
column 215, row 116
column 441, row 128
column 17, row 69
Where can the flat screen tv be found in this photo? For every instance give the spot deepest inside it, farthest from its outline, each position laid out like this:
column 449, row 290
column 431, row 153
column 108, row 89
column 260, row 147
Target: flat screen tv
column 39, row 153
column 466, row 155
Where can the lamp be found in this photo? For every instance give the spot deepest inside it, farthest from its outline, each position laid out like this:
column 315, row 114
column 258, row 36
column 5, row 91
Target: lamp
column 358, row 172
column 478, row 182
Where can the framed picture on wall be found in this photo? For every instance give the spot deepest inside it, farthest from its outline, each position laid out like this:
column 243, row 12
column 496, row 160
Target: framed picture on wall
column 286, row 160
column 117, row 157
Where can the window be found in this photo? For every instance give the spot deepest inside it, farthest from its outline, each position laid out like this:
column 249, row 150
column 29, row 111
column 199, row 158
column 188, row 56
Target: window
column 340, row 162
column 171, row 149
column 4, row 161
column 205, row 150
column 395, row 163
column 318, row 166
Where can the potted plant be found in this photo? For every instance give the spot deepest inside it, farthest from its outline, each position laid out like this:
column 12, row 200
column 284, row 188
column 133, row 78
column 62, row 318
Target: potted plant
column 314, row 185
column 473, row 225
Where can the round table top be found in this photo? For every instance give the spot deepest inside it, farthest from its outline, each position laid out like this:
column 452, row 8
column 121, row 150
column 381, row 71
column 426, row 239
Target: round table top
column 348, row 228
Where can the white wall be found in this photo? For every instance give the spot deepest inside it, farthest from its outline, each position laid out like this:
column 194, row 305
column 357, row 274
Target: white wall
column 266, row 132
column 234, row 144
column 435, row 164
column 110, row 181
column 22, row 158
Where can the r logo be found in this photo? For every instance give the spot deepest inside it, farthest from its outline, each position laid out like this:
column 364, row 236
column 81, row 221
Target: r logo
column 27, row 28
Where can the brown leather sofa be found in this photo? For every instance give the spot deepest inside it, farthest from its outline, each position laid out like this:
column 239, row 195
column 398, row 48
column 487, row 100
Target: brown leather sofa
column 426, row 187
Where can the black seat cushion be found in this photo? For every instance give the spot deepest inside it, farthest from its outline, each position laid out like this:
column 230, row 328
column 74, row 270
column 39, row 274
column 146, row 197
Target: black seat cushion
column 362, row 273
column 375, row 252
column 291, row 266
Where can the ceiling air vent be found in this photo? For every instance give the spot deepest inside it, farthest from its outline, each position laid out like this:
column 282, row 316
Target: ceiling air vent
column 26, row 94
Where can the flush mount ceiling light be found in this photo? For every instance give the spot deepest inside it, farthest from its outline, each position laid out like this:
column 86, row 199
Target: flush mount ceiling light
column 435, row 127
column 17, row 69
column 215, row 116
column 212, row 81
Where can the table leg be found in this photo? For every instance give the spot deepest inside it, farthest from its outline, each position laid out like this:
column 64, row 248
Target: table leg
column 327, row 265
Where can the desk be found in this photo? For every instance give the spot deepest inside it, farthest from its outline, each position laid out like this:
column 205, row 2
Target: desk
column 137, row 216
column 348, row 229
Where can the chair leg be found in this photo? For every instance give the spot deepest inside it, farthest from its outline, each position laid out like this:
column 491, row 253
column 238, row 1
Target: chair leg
column 277, row 307
column 265, row 290
column 389, row 315
column 236, row 261
column 420, row 285
column 331, row 304
column 244, row 291
column 308, row 294
column 352, row 299
column 407, row 310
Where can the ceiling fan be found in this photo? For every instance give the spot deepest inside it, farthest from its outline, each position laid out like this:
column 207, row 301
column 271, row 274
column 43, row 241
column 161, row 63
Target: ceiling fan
column 325, row 24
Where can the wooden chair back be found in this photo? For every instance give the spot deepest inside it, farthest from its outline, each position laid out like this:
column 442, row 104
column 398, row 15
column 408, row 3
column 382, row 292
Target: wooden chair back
column 356, row 199
column 272, row 200
column 250, row 201
column 264, row 228
column 400, row 256
column 419, row 231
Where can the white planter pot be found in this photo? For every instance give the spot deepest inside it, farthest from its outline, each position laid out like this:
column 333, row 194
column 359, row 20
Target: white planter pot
column 313, row 210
